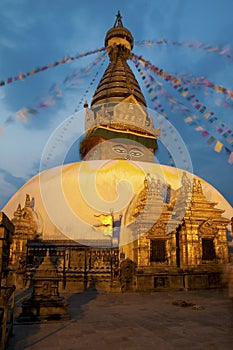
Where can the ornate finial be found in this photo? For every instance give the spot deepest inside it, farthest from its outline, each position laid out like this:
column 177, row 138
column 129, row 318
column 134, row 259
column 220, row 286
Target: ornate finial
column 118, row 22
column 118, row 40
column 18, row 212
column 147, row 180
column 27, row 201
column 197, row 192
column 199, row 187
column 194, row 185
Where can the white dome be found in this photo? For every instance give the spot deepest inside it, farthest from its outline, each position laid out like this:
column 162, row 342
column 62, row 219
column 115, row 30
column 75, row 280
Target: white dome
column 68, row 197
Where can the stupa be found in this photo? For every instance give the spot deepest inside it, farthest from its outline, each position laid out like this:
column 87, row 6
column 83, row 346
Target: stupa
column 45, row 303
column 117, row 208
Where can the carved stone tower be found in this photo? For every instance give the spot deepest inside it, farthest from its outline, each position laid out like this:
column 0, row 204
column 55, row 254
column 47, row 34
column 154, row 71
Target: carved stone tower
column 118, row 125
column 26, row 223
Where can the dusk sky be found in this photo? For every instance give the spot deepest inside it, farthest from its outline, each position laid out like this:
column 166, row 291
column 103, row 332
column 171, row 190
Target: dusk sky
column 39, row 33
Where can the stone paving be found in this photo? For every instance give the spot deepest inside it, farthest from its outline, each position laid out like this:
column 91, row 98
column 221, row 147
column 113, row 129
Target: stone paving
column 133, row 321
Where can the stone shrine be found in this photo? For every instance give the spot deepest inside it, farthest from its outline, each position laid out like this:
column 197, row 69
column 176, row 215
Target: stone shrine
column 45, row 303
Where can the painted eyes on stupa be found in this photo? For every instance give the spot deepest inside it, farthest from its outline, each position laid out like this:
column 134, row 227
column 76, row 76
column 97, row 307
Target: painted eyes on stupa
column 120, row 149
column 133, row 152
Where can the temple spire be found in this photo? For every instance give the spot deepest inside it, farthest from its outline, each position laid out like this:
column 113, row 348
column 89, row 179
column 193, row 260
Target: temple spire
column 118, row 107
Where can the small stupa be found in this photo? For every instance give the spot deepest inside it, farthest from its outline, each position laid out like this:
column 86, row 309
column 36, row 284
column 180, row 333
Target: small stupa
column 45, row 303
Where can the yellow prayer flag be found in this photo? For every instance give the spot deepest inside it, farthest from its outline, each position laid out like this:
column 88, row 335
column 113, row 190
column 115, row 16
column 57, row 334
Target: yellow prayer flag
column 230, row 140
column 212, row 48
column 207, row 115
column 185, row 93
column 188, row 119
column 218, row 146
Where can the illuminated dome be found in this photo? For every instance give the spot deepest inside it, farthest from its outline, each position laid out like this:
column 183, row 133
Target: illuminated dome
column 67, row 198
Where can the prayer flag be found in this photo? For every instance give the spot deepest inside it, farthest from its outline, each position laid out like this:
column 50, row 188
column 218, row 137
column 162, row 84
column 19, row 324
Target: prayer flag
column 210, row 140
column 32, row 111
column 198, row 106
column 227, row 150
column 21, row 114
column 212, row 48
column 218, row 146
column 188, row 119
column 205, row 133
column 230, row 93
column 230, row 159
column 199, row 128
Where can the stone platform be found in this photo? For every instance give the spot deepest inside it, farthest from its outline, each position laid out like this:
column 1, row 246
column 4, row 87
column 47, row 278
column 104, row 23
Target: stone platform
column 133, row 321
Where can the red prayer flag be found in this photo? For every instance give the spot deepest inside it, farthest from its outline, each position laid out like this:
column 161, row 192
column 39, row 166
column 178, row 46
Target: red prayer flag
column 205, row 133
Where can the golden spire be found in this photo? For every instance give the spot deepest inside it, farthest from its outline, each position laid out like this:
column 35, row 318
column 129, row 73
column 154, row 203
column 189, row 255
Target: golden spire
column 118, row 81
column 118, row 108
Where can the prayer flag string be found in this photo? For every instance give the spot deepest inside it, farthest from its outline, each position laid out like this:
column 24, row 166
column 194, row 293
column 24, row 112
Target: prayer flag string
column 23, row 76
column 151, row 86
column 188, row 95
column 223, row 51
column 57, row 91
